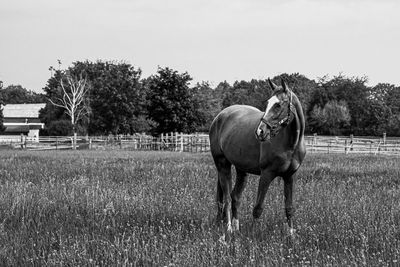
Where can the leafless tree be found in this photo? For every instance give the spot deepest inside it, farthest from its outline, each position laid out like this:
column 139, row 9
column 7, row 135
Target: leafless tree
column 73, row 100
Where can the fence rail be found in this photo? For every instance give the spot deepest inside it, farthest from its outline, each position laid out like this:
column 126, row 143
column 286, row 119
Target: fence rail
column 348, row 145
column 196, row 143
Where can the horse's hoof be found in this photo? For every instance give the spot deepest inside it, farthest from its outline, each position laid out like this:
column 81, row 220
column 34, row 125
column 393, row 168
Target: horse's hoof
column 257, row 212
column 222, row 240
column 289, row 232
column 235, row 224
column 292, row 231
column 229, row 229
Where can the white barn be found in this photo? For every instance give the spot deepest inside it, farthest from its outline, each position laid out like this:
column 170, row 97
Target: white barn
column 22, row 119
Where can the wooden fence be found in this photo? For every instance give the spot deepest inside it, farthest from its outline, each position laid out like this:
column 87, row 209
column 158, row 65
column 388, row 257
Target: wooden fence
column 348, row 145
column 171, row 142
column 199, row 143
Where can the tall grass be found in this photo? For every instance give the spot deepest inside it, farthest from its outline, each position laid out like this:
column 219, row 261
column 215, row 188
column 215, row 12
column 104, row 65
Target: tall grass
column 158, row 208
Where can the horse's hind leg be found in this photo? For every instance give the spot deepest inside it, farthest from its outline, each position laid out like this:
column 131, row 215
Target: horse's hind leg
column 241, row 180
column 224, row 188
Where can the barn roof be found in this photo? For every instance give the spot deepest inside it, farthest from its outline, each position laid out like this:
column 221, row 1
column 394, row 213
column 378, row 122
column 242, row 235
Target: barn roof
column 22, row 110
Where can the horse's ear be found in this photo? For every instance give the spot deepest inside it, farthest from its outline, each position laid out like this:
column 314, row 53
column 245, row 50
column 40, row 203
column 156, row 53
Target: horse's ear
column 284, row 85
column 273, row 86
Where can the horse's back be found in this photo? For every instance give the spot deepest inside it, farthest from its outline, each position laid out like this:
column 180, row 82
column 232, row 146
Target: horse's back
column 232, row 136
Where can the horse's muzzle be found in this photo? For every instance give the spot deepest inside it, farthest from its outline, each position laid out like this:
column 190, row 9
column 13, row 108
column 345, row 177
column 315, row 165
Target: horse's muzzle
column 263, row 134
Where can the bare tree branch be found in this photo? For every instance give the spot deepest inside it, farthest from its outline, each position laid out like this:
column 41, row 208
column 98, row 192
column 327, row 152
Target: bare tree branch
column 73, row 96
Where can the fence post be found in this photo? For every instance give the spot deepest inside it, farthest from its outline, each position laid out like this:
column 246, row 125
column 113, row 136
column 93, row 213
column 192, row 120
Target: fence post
column 181, row 142
column 175, row 139
column 351, row 142
column 23, row 142
column 166, row 142
column 196, row 139
column 384, row 142
column 314, row 142
column 345, row 146
column 90, row 143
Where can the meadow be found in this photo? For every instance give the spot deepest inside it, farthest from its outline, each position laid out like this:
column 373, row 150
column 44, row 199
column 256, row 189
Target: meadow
column 130, row 208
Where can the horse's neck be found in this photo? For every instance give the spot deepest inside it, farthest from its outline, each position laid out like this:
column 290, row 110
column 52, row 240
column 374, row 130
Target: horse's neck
column 300, row 115
column 298, row 124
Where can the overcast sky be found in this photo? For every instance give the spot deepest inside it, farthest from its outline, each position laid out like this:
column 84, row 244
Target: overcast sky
column 212, row 40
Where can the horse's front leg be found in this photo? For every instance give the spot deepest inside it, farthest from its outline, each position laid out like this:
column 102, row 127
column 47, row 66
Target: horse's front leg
column 266, row 178
column 289, row 209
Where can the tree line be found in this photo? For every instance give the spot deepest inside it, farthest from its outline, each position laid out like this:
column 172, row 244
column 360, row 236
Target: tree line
column 118, row 100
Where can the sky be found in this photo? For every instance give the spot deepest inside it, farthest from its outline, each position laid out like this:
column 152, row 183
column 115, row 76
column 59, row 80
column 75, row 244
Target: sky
column 214, row 41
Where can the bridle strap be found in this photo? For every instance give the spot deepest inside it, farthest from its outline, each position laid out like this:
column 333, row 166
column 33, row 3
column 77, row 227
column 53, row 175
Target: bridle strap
column 282, row 123
column 285, row 120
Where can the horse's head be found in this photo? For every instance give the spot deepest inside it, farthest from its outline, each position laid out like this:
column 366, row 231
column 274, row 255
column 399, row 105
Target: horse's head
column 278, row 114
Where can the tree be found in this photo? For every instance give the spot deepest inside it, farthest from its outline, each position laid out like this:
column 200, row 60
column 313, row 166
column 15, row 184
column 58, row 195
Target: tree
column 208, row 105
column 51, row 113
column 16, row 94
column 116, row 97
column 142, row 124
column 59, row 128
column 378, row 116
column 171, row 104
column 351, row 90
column 384, row 114
column 115, row 100
column 333, row 118
column 72, row 99
column 253, row 93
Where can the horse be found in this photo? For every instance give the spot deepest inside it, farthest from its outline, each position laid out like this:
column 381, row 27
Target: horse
column 268, row 144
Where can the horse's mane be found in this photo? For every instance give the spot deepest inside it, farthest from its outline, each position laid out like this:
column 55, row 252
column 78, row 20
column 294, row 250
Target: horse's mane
column 300, row 114
column 300, row 124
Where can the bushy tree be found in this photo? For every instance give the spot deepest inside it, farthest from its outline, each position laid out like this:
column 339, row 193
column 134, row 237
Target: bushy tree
column 59, row 128
column 171, row 103
column 354, row 92
column 208, row 105
column 114, row 102
column 384, row 114
column 142, row 124
column 116, row 97
column 253, row 93
column 16, row 94
column 333, row 119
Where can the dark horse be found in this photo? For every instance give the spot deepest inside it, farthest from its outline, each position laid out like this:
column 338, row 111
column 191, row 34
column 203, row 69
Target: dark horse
column 268, row 144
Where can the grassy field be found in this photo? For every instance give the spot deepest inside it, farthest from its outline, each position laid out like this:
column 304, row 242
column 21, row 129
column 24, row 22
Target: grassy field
column 157, row 208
